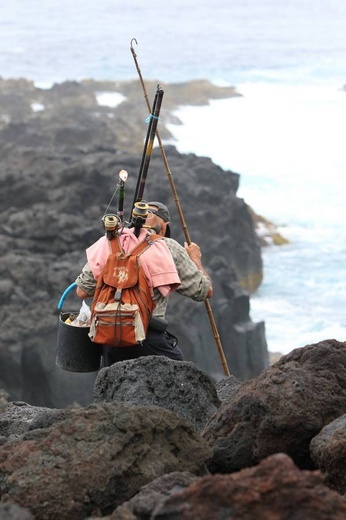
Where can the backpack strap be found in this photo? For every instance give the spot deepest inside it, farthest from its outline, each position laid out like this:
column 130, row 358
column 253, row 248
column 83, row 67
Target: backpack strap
column 142, row 246
column 116, row 249
column 145, row 244
column 115, row 246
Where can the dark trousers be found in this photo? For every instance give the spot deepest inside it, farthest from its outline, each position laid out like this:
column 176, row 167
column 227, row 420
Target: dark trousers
column 157, row 343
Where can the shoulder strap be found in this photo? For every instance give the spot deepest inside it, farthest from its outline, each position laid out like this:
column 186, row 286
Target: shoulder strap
column 115, row 246
column 142, row 246
column 145, row 244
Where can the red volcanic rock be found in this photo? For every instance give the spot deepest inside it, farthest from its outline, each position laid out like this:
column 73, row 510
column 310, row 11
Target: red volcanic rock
column 97, row 458
column 275, row 489
column 281, row 410
column 328, row 451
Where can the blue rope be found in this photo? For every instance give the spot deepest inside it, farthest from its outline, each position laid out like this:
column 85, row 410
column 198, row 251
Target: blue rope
column 65, row 293
column 150, row 116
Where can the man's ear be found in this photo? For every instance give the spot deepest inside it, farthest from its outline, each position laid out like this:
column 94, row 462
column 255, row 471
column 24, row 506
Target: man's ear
column 163, row 228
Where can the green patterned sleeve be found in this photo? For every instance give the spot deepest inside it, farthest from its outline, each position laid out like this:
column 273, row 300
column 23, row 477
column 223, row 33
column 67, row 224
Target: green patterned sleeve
column 86, row 280
column 194, row 284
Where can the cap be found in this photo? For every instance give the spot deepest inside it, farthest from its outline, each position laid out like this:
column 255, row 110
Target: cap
column 162, row 212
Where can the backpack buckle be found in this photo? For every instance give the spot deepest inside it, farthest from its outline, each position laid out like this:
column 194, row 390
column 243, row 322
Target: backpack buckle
column 150, row 242
column 117, row 295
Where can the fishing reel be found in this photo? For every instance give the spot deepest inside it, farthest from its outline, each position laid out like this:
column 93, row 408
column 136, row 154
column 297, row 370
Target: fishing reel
column 139, row 213
column 111, row 224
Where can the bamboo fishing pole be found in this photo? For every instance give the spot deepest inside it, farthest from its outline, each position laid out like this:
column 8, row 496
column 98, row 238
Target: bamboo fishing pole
column 180, row 213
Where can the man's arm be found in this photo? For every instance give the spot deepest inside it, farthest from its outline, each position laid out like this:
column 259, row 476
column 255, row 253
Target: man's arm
column 195, row 281
column 86, row 283
column 82, row 294
column 195, row 254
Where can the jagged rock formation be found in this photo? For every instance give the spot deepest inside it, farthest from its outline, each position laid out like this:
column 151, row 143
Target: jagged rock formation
column 267, row 232
column 281, row 410
column 20, row 417
column 14, row 512
column 227, row 387
column 71, row 467
column 122, row 461
column 178, row 386
column 142, row 505
column 328, row 451
column 60, row 156
column 273, row 489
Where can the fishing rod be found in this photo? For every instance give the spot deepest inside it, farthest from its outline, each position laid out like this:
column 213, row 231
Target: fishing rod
column 114, row 223
column 139, row 209
column 180, row 213
column 122, row 179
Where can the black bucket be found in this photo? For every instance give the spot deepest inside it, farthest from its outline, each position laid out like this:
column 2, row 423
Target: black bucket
column 75, row 351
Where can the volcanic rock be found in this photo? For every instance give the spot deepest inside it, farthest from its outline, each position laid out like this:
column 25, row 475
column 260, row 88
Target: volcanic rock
column 328, row 451
column 97, row 458
column 20, row 417
column 227, row 387
column 141, row 506
column 14, row 512
column 281, row 410
column 275, row 489
column 179, row 386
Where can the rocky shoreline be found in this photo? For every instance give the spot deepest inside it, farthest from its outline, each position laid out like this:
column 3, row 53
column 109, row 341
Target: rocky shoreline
column 162, row 441
column 61, row 152
column 147, row 439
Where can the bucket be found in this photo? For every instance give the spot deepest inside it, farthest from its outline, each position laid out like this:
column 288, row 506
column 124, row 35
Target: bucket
column 75, row 351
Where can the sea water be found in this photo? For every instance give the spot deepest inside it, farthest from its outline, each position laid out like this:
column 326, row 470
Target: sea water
column 294, row 163
column 284, row 136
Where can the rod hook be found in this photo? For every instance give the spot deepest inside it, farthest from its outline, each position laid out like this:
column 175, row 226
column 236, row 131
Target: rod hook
column 131, row 47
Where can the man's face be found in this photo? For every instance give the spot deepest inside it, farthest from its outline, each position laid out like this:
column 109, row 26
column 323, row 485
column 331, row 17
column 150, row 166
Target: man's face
column 154, row 221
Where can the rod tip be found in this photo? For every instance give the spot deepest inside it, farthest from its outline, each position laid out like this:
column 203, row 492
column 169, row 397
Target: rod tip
column 123, row 175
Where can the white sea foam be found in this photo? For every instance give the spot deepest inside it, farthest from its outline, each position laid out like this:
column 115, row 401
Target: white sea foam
column 287, row 144
column 37, row 107
column 15, row 50
column 109, row 99
column 43, row 85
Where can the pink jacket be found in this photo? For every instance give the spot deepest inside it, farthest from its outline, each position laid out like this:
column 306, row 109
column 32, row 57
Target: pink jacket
column 157, row 261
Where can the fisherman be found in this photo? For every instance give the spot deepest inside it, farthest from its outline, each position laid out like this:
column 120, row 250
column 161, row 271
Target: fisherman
column 182, row 270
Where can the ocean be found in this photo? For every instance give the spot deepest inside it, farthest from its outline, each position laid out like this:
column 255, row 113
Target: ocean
column 284, row 136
